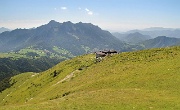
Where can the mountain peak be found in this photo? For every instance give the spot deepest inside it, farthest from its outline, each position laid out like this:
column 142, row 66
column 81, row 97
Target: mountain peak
column 53, row 22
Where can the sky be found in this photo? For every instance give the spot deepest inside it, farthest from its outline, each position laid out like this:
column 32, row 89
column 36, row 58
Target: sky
column 112, row 15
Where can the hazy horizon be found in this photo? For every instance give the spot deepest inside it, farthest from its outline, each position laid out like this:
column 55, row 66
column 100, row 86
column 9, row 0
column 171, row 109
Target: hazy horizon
column 112, row 15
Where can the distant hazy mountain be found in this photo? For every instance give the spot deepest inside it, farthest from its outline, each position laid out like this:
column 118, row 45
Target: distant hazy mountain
column 2, row 29
column 161, row 41
column 120, row 36
column 158, row 31
column 76, row 38
column 132, row 38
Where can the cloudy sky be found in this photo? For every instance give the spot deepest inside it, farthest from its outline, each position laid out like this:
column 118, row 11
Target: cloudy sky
column 113, row 15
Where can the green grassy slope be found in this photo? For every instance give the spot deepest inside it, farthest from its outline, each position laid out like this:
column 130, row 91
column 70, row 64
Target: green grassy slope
column 145, row 79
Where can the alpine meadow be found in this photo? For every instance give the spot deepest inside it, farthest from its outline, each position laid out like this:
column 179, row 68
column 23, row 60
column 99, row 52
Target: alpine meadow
column 146, row 79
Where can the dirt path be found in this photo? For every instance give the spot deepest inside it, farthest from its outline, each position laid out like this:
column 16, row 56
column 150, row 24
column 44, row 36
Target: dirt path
column 68, row 77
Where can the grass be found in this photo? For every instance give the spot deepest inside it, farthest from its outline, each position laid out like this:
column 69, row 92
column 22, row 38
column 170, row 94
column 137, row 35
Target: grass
column 140, row 80
column 23, row 53
column 62, row 51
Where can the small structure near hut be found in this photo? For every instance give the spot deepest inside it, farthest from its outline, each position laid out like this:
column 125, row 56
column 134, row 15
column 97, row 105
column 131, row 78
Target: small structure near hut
column 101, row 54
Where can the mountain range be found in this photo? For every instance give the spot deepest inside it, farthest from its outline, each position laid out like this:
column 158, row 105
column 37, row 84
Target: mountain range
column 132, row 38
column 76, row 38
column 79, row 38
column 160, row 41
column 155, row 37
column 158, row 31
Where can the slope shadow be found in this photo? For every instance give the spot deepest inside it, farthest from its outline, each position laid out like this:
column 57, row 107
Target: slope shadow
column 6, row 83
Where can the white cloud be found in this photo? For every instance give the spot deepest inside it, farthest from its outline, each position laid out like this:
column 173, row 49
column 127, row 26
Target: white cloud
column 64, row 8
column 88, row 11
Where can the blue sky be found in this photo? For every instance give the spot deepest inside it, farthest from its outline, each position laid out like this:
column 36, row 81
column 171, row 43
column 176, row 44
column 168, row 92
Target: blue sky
column 113, row 15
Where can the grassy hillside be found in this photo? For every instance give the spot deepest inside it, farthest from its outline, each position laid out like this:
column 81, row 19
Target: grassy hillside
column 145, row 79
